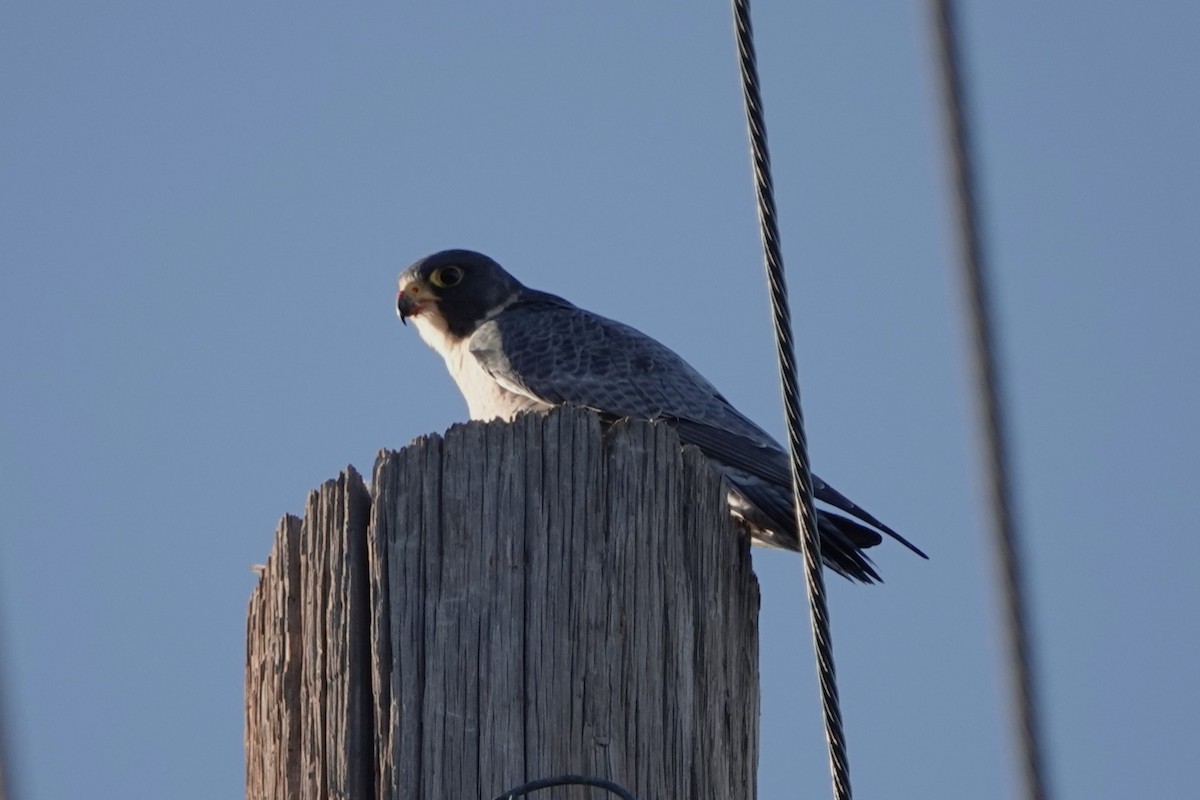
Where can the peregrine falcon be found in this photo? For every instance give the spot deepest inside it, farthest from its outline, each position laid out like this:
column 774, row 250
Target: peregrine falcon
column 512, row 349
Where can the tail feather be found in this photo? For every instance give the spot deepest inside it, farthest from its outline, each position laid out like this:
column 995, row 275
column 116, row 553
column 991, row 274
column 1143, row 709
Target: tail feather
column 771, row 517
column 763, row 460
column 827, row 494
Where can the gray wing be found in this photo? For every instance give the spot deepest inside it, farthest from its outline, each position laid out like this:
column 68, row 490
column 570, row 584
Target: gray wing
column 545, row 347
column 549, row 349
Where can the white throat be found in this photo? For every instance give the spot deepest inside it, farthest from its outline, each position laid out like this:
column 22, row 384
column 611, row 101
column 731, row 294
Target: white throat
column 486, row 398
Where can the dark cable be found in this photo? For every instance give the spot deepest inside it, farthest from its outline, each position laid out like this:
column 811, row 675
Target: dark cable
column 801, row 477
column 1005, row 537
column 567, row 780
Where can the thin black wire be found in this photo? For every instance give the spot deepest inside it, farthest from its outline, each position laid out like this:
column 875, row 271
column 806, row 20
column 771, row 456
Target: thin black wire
column 1005, row 539
column 839, row 765
column 567, row 780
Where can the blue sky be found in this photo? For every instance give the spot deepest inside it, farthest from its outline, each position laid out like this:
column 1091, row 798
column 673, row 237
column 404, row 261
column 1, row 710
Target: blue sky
column 203, row 208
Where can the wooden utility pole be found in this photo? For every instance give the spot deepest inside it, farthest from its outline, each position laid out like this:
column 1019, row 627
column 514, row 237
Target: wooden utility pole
column 508, row 602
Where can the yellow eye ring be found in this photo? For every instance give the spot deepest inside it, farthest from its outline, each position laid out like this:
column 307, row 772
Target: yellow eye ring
column 445, row 277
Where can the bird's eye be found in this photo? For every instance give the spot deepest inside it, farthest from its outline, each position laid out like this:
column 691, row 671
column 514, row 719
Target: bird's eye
column 445, row 277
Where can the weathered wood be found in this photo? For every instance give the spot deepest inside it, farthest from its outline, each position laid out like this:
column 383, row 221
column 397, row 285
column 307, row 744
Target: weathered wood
column 541, row 598
column 273, row 671
column 308, row 673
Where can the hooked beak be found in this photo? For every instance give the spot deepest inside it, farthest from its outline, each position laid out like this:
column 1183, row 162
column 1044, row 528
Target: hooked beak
column 405, row 308
column 411, row 300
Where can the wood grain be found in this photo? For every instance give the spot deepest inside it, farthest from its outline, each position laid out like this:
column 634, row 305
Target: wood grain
column 513, row 601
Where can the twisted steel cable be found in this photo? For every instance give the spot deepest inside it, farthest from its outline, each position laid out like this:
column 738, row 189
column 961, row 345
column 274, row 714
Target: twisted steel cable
column 1005, row 537
column 801, row 476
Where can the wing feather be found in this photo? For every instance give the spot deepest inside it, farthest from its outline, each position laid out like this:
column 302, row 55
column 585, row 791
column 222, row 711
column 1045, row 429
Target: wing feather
column 548, row 349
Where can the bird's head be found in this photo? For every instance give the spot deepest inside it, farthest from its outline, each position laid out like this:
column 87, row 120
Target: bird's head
column 453, row 292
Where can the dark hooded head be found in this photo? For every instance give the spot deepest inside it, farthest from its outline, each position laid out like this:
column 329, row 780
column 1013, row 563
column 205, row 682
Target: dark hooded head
column 456, row 290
